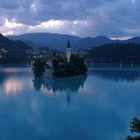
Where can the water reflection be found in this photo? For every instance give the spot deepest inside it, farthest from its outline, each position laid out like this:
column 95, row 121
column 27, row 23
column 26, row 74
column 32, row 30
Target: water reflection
column 118, row 75
column 15, row 80
column 13, row 85
column 55, row 86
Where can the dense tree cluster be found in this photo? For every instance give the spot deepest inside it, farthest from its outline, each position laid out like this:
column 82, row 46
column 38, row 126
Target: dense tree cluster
column 13, row 51
column 62, row 68
column 39, row 68
column 134, row 128
column 116, row 53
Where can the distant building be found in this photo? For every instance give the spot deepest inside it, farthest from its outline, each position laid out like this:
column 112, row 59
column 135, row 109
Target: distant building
column 68, row 51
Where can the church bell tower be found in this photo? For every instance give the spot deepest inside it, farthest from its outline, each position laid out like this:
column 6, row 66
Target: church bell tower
column 68, row 52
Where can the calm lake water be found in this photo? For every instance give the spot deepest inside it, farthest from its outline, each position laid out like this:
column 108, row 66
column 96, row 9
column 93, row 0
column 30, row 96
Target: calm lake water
column 94, row 107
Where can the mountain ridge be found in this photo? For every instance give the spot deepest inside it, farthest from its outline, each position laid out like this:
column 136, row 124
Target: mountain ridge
column 59, row 41
column 53, row 41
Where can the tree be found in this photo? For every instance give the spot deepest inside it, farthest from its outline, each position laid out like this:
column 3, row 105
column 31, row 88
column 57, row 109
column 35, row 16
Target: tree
column 62, row 68
column 39, row 68
column 134, row 128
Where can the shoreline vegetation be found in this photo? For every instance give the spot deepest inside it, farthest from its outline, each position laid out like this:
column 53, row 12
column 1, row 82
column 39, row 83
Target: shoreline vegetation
column 60, row 67
column 134, row 128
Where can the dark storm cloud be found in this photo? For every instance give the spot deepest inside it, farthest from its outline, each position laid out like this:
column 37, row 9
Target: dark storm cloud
column 14, row 4
column 114, row 18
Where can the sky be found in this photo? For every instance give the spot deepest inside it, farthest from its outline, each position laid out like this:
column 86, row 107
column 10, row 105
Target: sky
column 112, row 18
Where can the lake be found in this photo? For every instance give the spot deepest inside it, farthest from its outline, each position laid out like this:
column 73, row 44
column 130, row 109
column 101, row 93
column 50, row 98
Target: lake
column 98, row 106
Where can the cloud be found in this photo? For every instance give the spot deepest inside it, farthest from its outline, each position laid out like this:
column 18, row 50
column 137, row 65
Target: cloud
column 114, row 18
column 59, row 26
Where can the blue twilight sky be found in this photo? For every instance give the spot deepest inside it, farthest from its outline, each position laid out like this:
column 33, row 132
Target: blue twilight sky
column 113, row 18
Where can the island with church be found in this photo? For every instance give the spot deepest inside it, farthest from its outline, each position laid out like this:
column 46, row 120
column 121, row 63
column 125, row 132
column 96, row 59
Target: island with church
column 67, row 65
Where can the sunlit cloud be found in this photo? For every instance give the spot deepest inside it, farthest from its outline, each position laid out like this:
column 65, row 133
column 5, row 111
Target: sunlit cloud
column 51, row 24
column 12, row 24
column 11, row 27
column 121, row 38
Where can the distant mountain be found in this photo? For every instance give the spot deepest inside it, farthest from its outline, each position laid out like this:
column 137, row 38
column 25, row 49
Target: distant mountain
column 59, row 41
column 116, row 53
column 53, row 41
column 92, row 42
column 134, row 40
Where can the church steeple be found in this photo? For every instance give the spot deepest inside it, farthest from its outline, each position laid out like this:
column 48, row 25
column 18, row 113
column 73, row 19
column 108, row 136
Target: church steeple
column 68, row 45
column 68, row 51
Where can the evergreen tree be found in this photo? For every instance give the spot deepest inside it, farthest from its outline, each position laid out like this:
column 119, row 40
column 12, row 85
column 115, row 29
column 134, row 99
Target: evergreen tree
column 134, row 128
column 39, row 68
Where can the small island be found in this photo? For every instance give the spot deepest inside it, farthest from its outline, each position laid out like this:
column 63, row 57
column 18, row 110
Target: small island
column 61, row 66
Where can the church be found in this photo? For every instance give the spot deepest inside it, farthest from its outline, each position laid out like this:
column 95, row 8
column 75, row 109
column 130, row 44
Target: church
column 69, row 64
column 68, row 51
